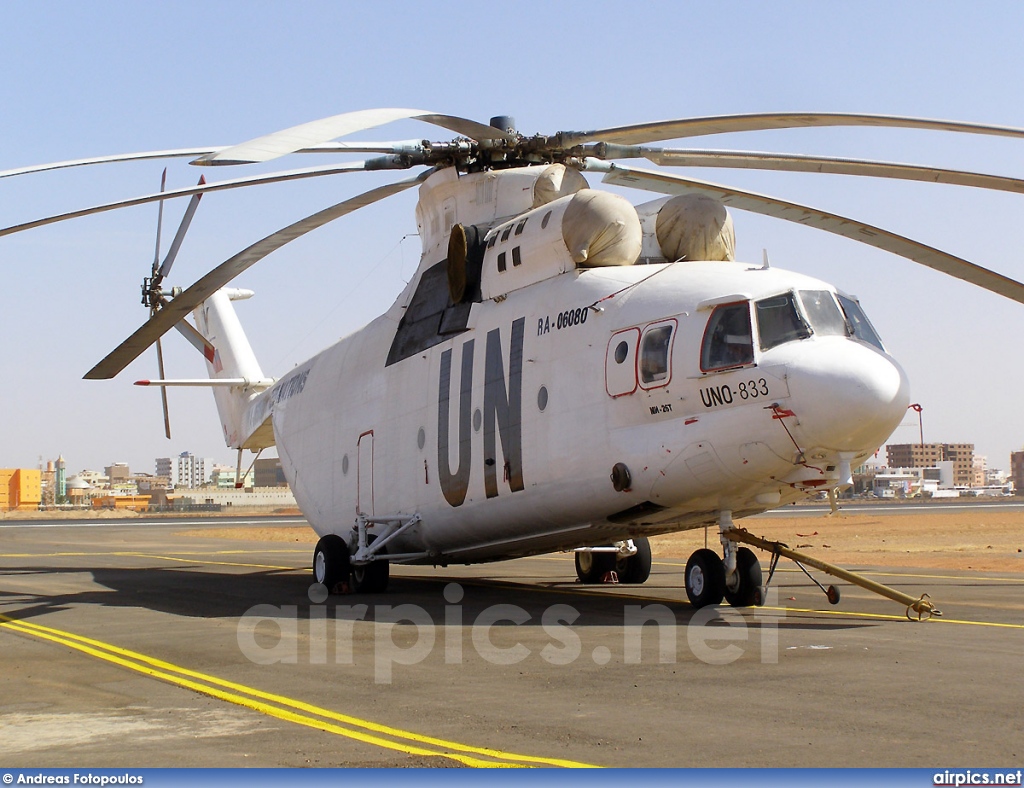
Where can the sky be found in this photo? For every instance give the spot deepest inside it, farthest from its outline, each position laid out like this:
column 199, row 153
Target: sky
column 89, row 79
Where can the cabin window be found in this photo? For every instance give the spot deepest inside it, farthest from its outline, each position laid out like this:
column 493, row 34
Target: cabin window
column 656, row 355
column 824, row 314
column 506, row 233
column 859, row 323
column 520, row 226
column 778, row 321
column 620, row 362
column 728, row 341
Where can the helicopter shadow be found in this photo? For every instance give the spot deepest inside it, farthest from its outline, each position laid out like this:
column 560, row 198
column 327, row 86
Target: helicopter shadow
column 192, row 592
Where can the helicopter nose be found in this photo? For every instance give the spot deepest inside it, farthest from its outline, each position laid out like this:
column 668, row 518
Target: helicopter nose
column 847, row 396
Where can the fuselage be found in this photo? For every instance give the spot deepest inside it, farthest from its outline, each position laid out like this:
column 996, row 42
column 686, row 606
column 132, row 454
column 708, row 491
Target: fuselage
column 592, row 405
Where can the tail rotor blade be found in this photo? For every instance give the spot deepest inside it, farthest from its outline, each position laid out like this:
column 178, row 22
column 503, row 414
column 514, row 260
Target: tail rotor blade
column 163, row 390
column 181, row 305
column 159, row 222
column 172, row 253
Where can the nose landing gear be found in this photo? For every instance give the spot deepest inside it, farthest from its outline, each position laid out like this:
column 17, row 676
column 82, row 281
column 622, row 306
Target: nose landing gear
column 736, row 577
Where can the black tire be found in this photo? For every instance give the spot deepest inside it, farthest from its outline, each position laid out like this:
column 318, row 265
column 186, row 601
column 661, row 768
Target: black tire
column 591, row 567
column 636, row 568
column 331, row 562
column 371, row 578
column 705, row 578
column 747, row 592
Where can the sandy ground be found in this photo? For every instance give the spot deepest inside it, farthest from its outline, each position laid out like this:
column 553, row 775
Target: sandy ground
column 973, row 539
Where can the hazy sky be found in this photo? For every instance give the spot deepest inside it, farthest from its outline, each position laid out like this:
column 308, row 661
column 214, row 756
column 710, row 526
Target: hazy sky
column 86, row 79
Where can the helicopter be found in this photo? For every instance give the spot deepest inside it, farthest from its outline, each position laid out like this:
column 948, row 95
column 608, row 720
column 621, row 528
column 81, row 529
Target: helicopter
column 566, row 371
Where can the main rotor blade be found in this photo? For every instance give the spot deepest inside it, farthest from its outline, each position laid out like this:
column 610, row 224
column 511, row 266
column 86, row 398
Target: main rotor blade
column 281, row 143
column 791, row 162
column 180, row 306
column 405, row 146
column 179, row 236
column 813, row 217
column 117, row 157
column 253, row 180
column 640, row 133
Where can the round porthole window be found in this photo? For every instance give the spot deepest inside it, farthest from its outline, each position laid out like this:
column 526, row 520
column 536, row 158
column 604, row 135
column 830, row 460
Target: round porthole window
column 621, row 351
column 542, row 397
column 344, row 464
column 478, row 419
column 421, row 438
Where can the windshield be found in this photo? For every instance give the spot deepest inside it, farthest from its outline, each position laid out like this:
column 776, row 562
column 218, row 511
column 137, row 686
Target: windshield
column 859, row 323
column 824, row 314
column 778, row 321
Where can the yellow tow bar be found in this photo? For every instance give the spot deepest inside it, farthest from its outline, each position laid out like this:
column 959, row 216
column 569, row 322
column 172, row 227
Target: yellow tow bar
column 921, row 606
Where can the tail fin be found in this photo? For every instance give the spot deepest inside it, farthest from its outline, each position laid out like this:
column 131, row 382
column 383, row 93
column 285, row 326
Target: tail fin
column 234, row 359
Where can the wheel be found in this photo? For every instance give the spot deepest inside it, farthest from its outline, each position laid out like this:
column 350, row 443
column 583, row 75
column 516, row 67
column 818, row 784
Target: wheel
column 746, row 591
column 705, row 578
column 330, row 561
column 591, row 567
column 371, row 578
column 832, row 594
column 635, row 568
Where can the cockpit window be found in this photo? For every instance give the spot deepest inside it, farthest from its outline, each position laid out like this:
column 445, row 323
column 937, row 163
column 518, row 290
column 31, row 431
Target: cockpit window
column 859, row 323
column 823, row 313
column 727, row 340
column 778, row 321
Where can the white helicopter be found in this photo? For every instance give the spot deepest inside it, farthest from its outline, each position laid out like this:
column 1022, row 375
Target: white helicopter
column 566, row 371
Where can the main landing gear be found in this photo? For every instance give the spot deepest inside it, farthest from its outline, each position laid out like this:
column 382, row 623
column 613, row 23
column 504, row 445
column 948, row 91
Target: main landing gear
column 622, row 562
column 735, row 578
column 363, row 568
column 333, row 566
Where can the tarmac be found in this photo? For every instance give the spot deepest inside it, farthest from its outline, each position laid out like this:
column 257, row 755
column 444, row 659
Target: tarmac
column 135, row 645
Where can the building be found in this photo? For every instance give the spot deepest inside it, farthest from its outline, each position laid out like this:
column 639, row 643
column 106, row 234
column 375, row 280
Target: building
column 21, row 489
column 185, row 470
column 92, row 478
column 979, row 471
column 117, row 473
column 929, row 455
column 1017, row 470
column 269, row 473
column 224, row 477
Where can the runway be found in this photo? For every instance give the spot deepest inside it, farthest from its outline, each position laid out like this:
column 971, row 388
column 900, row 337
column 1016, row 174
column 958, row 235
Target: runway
column 134, row 645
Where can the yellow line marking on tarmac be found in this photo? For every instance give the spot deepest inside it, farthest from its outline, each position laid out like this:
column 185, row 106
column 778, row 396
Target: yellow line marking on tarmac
column 892, row 617
column 201, row 561
column 607, row 592
column 408, row 742
column 679, row 562
column 124, row 554
column 66, row 554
